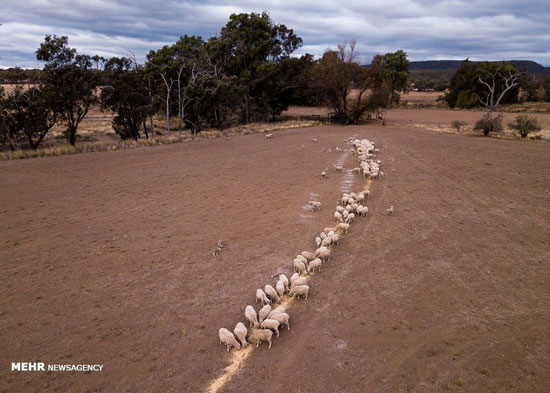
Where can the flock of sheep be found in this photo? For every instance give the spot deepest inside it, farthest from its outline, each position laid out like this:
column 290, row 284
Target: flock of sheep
column 268, row 320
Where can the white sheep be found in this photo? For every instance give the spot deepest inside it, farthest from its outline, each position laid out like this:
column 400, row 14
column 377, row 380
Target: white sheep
column 299, row 266
column 308, row 255
column 324, row 174
column 302, row 258
column 268, row 136
column 264, row 312
column 300, row 290
column 240, row 332
column 330, row 233
column 294, row 277
column 327, row 242
column 277, row 310
column 260, row 296
column 335, row 239
column 322, row 235
column 315, row 264
column 283, row 318
column 356, row 170
column 315, row 205
column 328, row 229
column 318, row 241
column 251, row 316
column 227, row 338
column 271, row 324
column 338, row 217
column 272, row 293
column 389, row 211
column 323, row 253
column 280, row 288
column 261, row 335
column 284, row 279
column 340, row 209
column 343, row 226
column 338, row 168
column 299, row 281
column 350, row 218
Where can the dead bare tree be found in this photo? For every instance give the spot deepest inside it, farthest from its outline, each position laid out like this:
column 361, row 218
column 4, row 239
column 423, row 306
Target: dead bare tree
column 151, row 115
column 493, row 97
column 348, row 56
column 168, row 83
column 180, row 109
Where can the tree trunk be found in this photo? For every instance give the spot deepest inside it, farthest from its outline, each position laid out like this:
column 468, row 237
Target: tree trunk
column 145, row 128
column 168, row 112
column 247, row 108
column 72, row 135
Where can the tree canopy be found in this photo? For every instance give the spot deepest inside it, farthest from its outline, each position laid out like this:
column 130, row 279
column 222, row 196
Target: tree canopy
column 68, row 81
column 472, row 83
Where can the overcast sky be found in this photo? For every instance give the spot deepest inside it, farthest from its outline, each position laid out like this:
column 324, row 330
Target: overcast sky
column 425, row 29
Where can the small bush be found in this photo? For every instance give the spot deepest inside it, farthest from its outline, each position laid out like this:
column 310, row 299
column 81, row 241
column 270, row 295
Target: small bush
column 524, row 125
column 467, row 99
column 488, row 124
column 458, row 124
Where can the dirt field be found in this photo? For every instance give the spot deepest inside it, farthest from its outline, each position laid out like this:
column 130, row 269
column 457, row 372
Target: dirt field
column 421, row 96
column 106, row 258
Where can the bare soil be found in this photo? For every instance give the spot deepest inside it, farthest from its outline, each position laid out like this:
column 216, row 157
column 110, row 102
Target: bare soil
column 421, row 96
column 106, row 258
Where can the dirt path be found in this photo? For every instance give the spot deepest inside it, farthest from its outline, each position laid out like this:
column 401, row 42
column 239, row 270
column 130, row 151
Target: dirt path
column 106, row 258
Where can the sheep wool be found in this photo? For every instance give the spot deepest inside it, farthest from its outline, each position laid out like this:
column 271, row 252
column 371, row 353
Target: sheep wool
column 272, row 293
column 227, row 338
column 260, row 296
column 283, row 319
column 300, row 290
column 261, row 335
column 251, row 316
column 277, row 310
column 264, row 312
column 271, row 324
column 240, row 332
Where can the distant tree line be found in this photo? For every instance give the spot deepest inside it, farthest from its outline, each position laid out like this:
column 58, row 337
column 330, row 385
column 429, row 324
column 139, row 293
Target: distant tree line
column 244, row 74
column 490, row 84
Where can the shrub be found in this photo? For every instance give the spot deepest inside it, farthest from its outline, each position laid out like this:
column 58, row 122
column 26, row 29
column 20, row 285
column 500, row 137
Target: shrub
column 488, row 124
column 467, row 99
column 524, row 125
column 458, row 124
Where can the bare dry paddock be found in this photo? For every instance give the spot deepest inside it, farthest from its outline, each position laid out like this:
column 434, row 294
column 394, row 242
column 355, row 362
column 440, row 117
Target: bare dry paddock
column 106, row 258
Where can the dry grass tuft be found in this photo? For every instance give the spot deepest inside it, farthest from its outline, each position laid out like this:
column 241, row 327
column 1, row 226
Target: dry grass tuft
column 87, row 140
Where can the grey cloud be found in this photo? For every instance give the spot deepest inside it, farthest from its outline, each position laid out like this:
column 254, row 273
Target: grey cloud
column 490, row 29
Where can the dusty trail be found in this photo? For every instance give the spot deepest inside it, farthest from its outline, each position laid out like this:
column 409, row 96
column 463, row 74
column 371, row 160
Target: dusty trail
column 238, row 358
